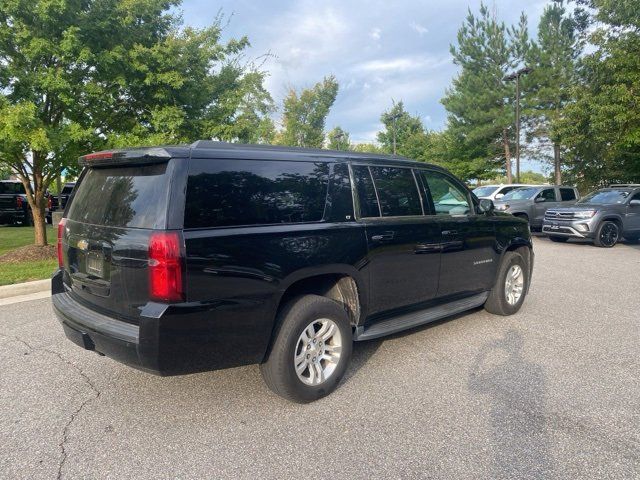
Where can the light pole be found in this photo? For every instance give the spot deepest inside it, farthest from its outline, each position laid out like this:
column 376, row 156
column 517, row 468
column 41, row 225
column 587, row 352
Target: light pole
column 516, row 76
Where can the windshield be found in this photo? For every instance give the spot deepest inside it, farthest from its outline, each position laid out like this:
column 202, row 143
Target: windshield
column 11, row 188
column 520, row 194
column 606, row 196
column 484, row 191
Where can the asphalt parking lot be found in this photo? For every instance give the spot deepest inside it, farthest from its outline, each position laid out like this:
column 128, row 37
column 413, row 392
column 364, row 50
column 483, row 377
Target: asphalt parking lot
column 552, row 392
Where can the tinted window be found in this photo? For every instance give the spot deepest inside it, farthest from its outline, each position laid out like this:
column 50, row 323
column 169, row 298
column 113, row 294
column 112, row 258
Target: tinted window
column 11, row 188
column 123, row 197
column 548, row 194
column 397, row 191
column 567, row 194
column 366, row 192
column 449, row 198
column 224, row 193
column 505, row 190
column 66, row 190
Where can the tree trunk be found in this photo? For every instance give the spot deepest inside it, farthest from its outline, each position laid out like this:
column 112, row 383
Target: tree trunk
column 507, row 155
column 40, row 226
column 556, row 164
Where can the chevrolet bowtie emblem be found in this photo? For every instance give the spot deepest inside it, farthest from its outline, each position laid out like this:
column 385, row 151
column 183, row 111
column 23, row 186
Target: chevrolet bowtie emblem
column 83, row 245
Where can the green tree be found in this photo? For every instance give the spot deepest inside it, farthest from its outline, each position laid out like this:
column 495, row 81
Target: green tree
column 305, row 114
column 601, row 127
column 553, row 60
column 401, row 131
column 367, row 148
column 79, row 75
column 338, row 139
column 480, row 112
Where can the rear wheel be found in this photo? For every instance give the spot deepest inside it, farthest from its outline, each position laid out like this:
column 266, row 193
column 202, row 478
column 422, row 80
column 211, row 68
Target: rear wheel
column 311, row 349
column 554, row 238
column 607, row 234
column 511, row 285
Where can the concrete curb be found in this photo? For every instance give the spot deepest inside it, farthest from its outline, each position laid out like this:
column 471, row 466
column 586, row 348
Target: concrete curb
column 26, row 288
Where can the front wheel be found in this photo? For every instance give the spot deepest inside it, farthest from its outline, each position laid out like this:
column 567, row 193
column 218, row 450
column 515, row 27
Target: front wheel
column 511, row 285
column 607, row 234
column 311, row 349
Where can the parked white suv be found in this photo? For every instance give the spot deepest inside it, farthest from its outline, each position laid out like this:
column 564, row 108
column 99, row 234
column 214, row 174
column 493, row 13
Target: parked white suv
column 496, row 192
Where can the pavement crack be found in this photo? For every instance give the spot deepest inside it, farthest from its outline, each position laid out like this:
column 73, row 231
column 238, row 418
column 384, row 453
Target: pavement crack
column 19, row 340
column 64, row 454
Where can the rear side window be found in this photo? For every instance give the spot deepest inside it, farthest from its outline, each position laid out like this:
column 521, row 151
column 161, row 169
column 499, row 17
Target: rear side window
column 11, row 188
column 67, row 189
column 567, row 194
column 397, row 191
column 223, row 193
column 366, row 192
column 134, row 197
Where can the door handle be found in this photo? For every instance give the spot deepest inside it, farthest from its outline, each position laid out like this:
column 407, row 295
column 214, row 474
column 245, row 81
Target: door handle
column 384, row 237
column 449, row 232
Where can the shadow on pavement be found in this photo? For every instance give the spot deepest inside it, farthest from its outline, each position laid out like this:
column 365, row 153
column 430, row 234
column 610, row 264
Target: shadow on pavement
column 515, row 392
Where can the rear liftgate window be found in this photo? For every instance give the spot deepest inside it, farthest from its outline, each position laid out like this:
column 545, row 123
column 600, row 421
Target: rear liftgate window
column 223, row 193
column 132, row 197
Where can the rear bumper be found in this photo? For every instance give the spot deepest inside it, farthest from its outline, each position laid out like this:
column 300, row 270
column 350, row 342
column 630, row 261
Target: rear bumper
column 169, row 339
column 13, row 214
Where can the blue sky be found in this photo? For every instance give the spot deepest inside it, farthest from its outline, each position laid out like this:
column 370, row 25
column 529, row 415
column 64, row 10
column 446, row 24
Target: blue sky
column 378, row 50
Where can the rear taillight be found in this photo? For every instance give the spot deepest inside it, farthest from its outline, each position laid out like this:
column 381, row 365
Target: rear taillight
column 165, row 267
column 61, row 226
column 19, row 202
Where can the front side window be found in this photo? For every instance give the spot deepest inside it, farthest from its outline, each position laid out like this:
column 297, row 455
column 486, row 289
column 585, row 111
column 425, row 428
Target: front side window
column 222, row 193
column 548, row 194
column 397, row 191
column 449, row 198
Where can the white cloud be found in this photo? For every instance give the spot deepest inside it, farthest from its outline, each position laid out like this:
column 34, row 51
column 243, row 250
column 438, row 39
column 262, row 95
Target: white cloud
column 401, row 64
column 375, row 33
column 420, row 29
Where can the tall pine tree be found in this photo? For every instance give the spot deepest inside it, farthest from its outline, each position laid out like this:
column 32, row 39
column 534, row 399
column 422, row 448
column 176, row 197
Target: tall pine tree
column 553, row 61
column 479, row 101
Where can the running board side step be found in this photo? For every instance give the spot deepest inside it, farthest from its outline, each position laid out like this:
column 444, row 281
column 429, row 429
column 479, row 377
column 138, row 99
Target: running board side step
column 413, row 319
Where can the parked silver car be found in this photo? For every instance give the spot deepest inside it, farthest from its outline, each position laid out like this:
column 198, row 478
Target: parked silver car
column 531, row 203
column 496, row 192
column 604, row 216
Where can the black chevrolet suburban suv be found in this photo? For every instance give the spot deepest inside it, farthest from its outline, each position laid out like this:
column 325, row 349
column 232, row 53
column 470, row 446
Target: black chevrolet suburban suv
column 214, row 255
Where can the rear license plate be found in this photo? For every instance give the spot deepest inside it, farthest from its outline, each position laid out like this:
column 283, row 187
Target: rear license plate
column 94, row 265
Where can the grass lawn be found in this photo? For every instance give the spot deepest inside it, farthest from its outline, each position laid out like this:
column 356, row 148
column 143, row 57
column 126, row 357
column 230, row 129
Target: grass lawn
column 25, row 271
column 14, row 237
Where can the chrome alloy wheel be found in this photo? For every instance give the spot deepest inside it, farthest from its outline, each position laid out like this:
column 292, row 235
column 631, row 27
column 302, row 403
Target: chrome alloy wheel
column 514, row 284
column 317, row 352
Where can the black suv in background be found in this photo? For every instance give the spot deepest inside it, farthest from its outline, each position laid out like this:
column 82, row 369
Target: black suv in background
column 603, row 216
column 181, row 259
column 54, row 199
column 13, row 203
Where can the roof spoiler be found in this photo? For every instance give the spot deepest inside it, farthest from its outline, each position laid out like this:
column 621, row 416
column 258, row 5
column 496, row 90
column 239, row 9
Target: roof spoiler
column 135, row 156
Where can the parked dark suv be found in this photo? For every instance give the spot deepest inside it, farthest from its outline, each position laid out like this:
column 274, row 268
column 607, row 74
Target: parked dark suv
column 184, row 259
column 13, row 203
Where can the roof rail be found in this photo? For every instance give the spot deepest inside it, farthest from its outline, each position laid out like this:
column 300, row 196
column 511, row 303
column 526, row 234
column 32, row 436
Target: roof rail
column 624, row 185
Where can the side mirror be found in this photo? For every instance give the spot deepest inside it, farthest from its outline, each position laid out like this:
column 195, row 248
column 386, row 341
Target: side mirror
column 499, row 196
column 486, row 205
column 634, row 203
column 539, row 200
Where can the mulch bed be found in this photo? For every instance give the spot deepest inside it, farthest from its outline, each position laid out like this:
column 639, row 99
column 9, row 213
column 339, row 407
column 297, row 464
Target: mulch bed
column 29, row 253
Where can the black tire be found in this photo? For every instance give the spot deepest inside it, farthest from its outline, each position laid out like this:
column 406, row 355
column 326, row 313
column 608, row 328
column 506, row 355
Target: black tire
column 497, row 302
column 553, row 238
column 279, row 371
column 28, row 219
column 607, row 234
